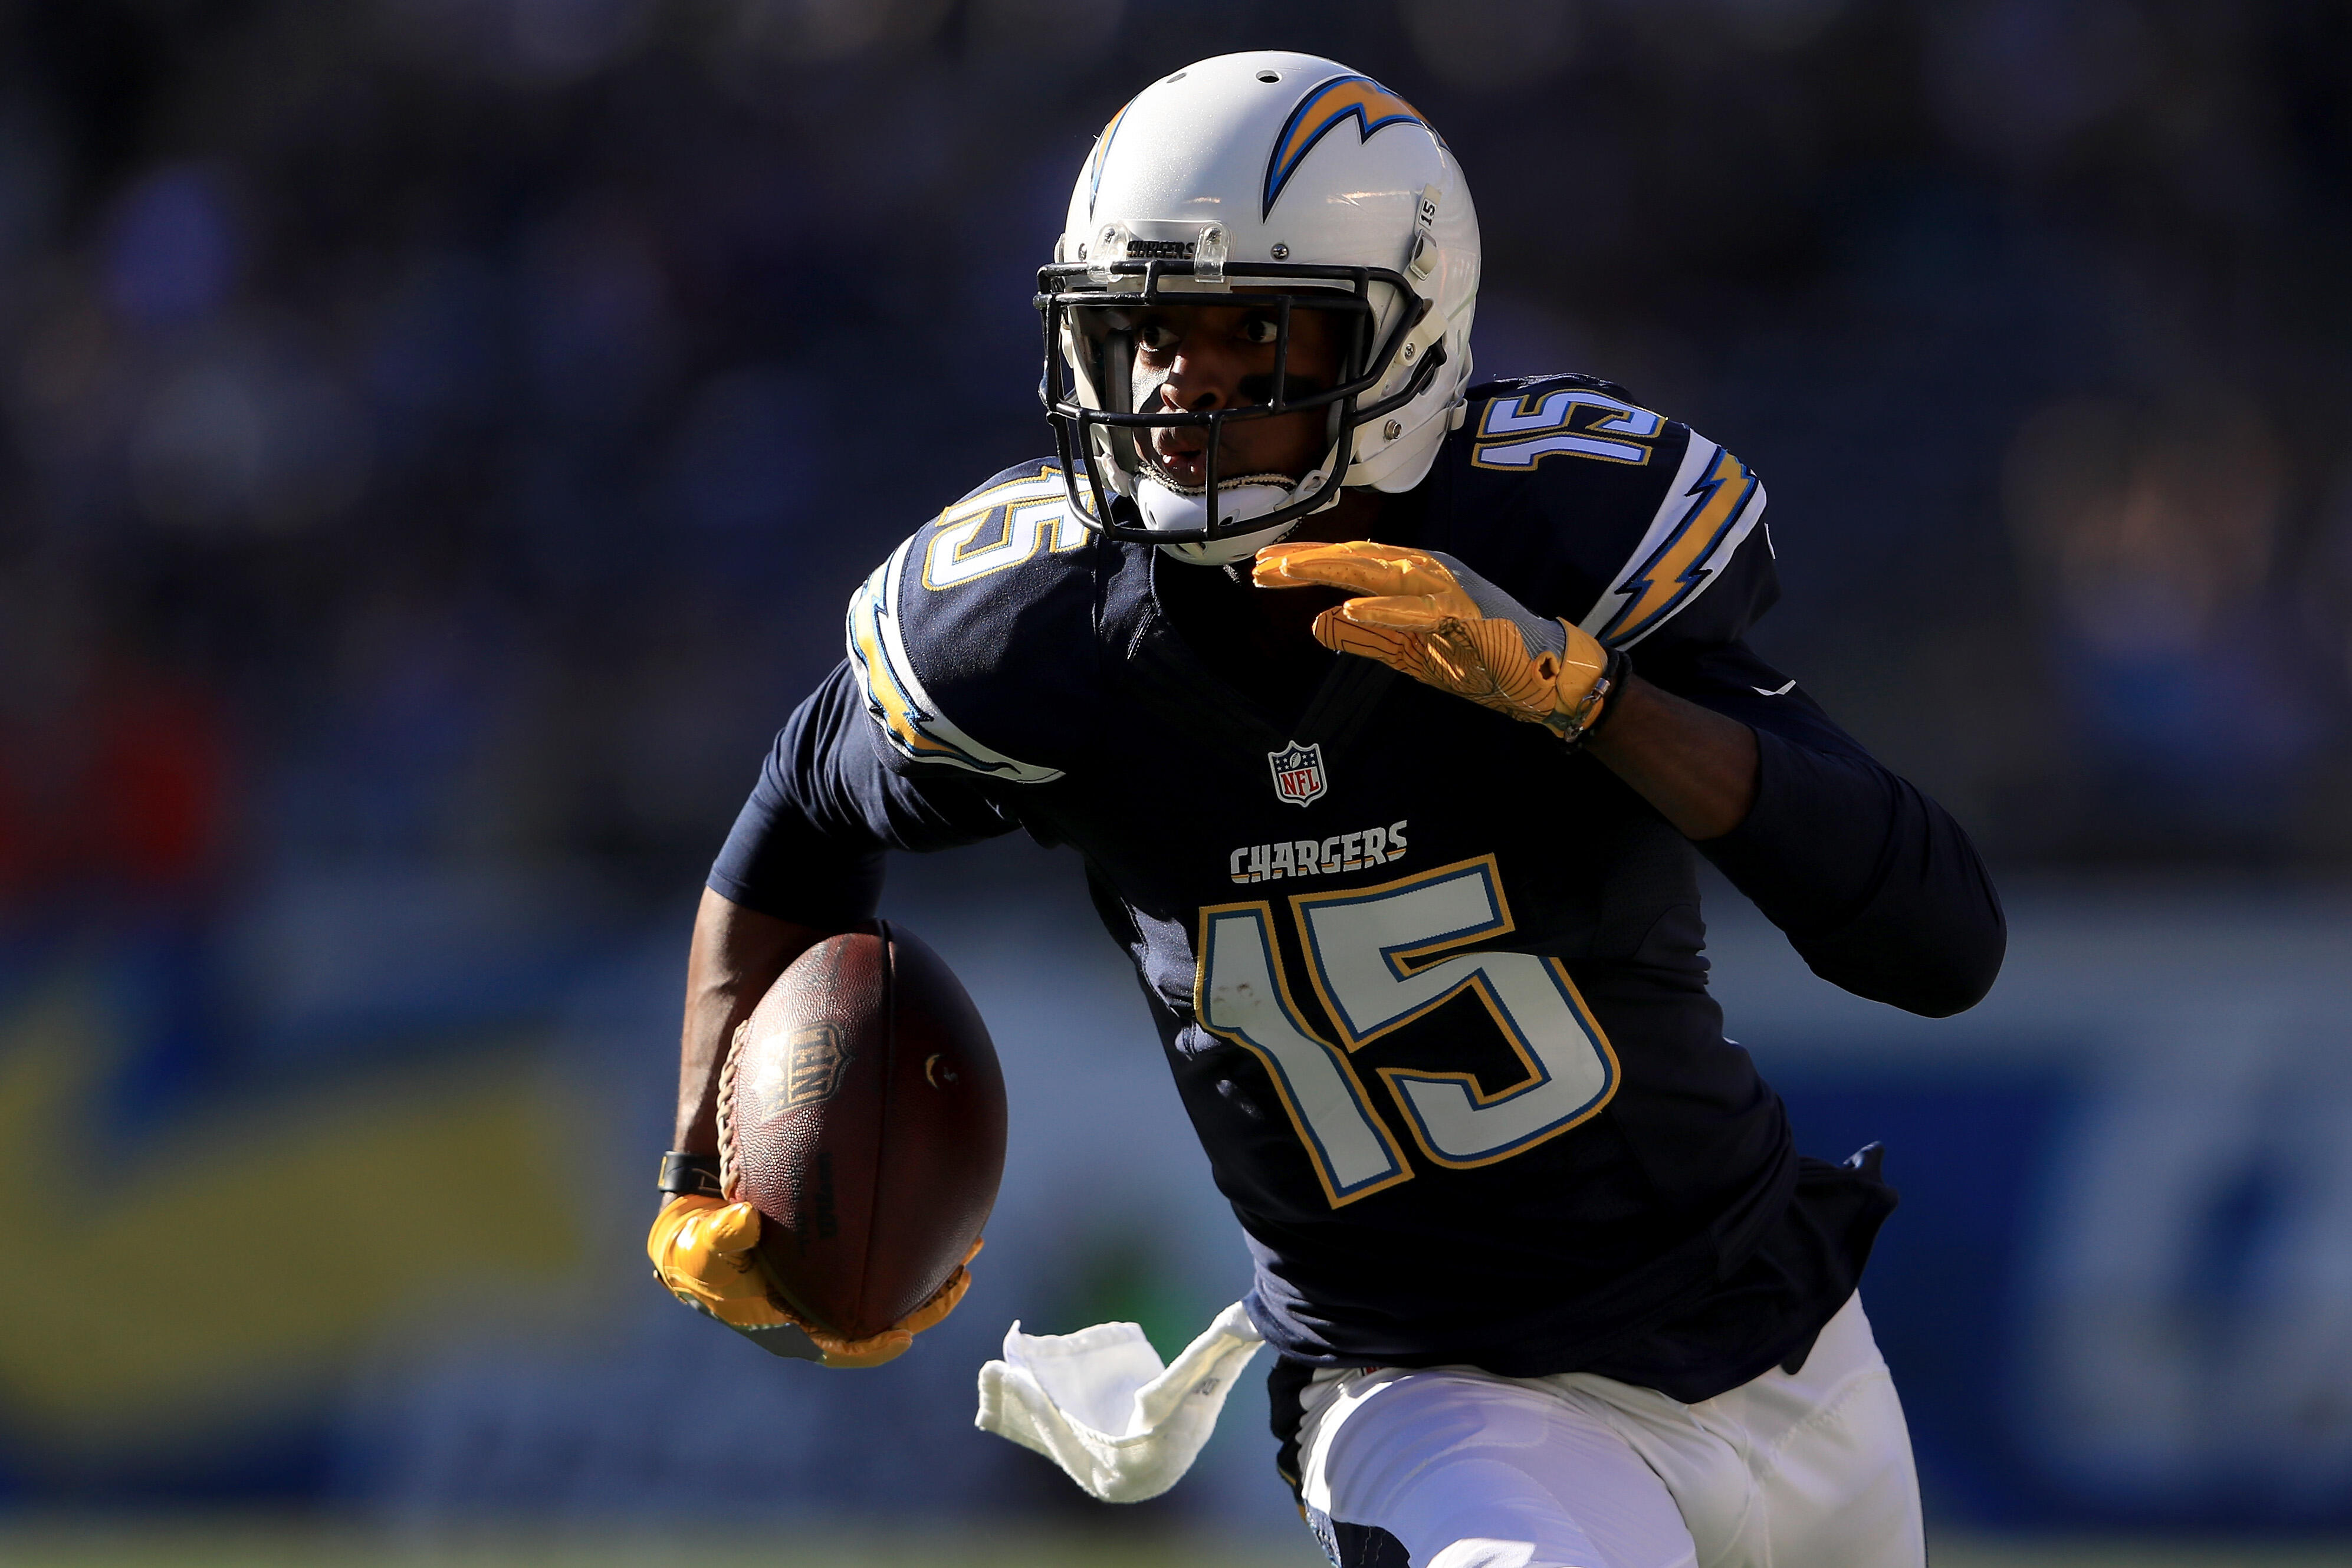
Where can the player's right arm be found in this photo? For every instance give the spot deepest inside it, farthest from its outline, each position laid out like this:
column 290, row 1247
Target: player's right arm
column 802, row 861
column 736, row 955
column 870, row 762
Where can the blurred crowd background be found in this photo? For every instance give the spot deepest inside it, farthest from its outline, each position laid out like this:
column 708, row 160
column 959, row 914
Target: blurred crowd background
column 438, row 438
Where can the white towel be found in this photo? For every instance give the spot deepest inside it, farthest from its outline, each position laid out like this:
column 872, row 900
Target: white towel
column 1099, row 1404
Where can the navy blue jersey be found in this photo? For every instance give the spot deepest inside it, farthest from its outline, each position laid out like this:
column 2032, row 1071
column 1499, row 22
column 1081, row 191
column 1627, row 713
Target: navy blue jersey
column 1430, row 984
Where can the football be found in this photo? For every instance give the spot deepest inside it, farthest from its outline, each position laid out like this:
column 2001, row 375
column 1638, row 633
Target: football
column 862, row 1112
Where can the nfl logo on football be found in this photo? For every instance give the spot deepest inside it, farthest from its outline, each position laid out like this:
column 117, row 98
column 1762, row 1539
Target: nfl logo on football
column 1297, row 774
column 817, row 1059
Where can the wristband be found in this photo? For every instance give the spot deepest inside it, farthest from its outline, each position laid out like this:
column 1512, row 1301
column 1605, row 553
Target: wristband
column 1604, row 695
column 685, row 1173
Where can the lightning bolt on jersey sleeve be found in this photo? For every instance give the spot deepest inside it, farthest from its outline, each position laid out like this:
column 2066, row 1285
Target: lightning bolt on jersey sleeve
column 967, row 653
column 972, row 643
column 1583, row 503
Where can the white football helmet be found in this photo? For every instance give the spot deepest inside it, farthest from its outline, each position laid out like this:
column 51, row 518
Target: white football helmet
column 1311, row 186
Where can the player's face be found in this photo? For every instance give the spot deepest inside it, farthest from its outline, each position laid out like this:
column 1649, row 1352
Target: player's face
column 1221, row 356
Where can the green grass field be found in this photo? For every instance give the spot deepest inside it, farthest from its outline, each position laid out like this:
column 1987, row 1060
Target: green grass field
column 159, row 1544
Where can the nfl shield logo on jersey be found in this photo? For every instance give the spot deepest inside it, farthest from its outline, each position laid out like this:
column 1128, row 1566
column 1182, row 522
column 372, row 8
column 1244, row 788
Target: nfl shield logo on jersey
column 1298, row 777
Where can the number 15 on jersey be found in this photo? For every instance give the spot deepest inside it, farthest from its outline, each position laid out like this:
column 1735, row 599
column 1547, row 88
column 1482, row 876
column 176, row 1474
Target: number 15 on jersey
column 1376, row 960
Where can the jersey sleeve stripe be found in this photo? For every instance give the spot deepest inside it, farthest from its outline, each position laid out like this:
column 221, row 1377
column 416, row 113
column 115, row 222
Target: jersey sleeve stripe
column 1714, row 503
column 895, row 697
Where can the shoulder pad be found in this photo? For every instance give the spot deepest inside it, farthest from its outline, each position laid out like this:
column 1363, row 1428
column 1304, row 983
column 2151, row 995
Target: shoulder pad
column 1605, row 513
column 985, row 613
column 1518, row 386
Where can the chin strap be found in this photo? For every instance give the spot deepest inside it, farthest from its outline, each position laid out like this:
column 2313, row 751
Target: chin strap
column 1233, row 547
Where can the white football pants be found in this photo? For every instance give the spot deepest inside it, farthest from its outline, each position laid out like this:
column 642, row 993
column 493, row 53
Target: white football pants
column 1465, row 1469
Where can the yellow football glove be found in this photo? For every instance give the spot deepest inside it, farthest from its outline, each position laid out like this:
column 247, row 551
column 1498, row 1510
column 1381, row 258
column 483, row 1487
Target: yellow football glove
column 1442, row 623
column 701, row 1250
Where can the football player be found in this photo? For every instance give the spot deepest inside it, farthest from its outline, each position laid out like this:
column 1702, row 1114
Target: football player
column 1390, row 713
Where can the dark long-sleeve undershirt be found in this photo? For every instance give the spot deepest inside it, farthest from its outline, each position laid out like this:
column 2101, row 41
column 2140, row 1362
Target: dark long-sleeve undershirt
column 1874, row 883
column 808, row 845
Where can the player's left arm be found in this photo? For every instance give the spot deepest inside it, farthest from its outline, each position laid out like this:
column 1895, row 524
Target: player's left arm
column 1875, row 885
column 1695, row 766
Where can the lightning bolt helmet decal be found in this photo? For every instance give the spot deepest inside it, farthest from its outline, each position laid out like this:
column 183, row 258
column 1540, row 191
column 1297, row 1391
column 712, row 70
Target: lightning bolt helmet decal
column 1325, row 105
column 1102, row 151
